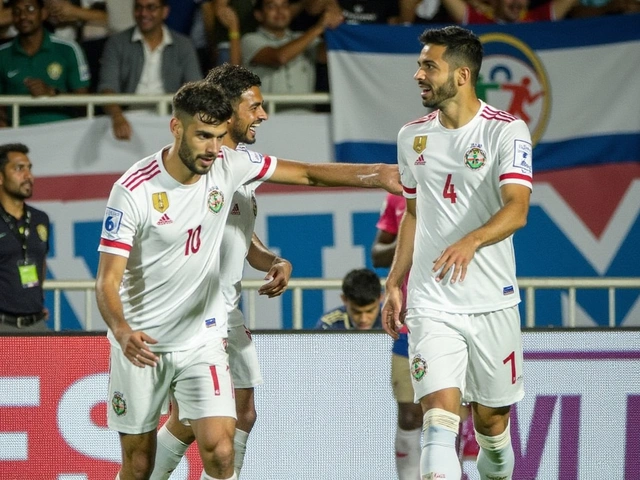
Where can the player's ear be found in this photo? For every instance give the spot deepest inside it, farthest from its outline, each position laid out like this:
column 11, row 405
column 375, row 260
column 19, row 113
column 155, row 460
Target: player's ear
column 176, row 127
column 463, row 75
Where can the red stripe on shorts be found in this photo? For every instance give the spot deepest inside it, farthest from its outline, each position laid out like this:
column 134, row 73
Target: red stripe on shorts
column 216, row 382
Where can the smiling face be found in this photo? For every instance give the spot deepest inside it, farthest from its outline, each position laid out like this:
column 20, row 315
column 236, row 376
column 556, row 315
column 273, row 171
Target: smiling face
column 435, row 77
column 150, row 15
column 247, row 116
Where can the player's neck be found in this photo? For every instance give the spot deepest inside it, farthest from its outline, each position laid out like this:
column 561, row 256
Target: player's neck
column 13, row 206
column 459, row 112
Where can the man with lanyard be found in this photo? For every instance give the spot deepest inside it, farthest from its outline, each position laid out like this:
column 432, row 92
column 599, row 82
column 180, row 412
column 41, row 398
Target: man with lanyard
column 24, row 233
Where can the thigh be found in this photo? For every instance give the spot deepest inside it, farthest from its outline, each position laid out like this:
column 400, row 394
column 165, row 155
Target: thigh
column 437, row 351
column 401, row 379
column 243, row 358
column 203, row 385
column 137, row 395
column 495, row 376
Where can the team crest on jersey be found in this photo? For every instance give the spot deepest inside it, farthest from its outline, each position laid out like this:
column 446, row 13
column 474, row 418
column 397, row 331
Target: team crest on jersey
column 54, row 70
column 119, row 404
column 43, row 233
column 475, row 158
column 254, row 204
column 418, row 368
column 215, row 201
column 419, row 143
column 513, row 79
column 160, row 201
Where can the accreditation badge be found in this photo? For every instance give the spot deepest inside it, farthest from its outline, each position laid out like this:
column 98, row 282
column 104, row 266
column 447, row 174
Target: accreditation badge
column 28, row 273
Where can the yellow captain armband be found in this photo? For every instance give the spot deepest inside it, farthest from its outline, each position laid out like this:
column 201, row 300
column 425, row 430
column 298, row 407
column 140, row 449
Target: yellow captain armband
column 234, row 35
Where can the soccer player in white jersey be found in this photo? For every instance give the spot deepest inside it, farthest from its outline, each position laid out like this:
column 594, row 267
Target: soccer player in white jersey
column 158, row 282
column 466, row 174
column 239, row 241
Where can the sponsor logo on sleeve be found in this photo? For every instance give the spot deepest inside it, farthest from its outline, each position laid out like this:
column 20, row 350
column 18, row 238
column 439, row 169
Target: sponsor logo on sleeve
column 522, row 156
column 112, row 222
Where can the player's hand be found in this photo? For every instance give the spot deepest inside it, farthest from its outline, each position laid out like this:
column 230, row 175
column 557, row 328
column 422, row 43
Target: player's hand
column 455, row 258
column 277, row 279
column 135, row 347
column 390, row 179
column 392, row 314
column 37, row 87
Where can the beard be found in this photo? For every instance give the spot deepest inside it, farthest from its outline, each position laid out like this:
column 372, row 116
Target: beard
column 240, row 135
column 441, row 94
column 189, row 159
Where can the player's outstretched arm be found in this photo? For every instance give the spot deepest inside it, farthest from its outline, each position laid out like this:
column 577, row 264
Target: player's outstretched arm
column 133, row 344
column 278, row 269
column 375, row 175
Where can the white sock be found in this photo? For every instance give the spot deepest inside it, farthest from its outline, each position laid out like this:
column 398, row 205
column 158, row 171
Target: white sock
column 239, row 447
column 408, row 453
column 117, row 476
column 439, row 457
column 496, row 459
column 169, row 452
column 204, row 476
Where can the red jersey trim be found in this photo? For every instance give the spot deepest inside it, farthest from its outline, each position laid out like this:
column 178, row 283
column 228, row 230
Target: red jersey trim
column 265, row 168
column 137, row 178
column 426, row 118
column 410, row 191
column 114, row 244
column 517, row 176
column 491, row 114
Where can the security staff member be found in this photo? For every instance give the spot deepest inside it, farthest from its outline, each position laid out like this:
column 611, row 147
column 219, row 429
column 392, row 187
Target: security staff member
column 24, row 243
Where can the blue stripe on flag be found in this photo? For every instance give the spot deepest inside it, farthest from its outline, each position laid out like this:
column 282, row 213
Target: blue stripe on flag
column 546, row 156
column 538, row 35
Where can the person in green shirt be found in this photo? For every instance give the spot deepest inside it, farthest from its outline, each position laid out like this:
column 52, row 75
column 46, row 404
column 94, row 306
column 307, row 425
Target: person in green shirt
column 39, row 64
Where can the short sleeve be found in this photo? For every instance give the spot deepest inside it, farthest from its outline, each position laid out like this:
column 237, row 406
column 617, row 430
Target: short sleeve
column 516, row 155
column 409, row 184
column 120, row 224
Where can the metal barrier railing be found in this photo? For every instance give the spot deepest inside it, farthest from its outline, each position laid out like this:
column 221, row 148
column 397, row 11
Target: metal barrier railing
column 162, row 103
column 298, row 285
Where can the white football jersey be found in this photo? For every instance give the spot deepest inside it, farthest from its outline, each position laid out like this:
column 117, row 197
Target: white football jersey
column 236, row 241
column 456, row 175
column 171, row 234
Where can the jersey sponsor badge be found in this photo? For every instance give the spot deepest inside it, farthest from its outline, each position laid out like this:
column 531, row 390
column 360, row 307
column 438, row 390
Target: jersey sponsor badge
column 43, row 232
column 160, row 201
column 54, row 70
column 418, row 368
column 215, row 200
column 419, row 143
column 112, row 221
column 522, row 156
column 475, row 158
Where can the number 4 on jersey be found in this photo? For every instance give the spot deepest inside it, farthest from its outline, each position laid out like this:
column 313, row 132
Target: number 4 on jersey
column 449, row 190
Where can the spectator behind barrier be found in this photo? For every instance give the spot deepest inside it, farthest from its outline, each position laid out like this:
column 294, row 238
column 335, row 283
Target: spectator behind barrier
column 148, row 59
column 283, row 59
column 361, row 297
column 39, row 64
column 506, row 11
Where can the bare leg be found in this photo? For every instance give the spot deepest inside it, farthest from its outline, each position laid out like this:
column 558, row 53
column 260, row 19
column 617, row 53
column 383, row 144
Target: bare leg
column 138, row 453
column 215, row 443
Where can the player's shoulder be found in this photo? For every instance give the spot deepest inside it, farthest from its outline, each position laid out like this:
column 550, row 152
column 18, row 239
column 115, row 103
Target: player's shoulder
column 141, row 173
column 335, row 318
column 489, row 114
column 241, row 151
column 421, row 123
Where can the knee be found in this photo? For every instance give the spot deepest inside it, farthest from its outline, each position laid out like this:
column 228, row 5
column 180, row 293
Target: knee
column 246, row 418
column 140, row 465
column 220, row 454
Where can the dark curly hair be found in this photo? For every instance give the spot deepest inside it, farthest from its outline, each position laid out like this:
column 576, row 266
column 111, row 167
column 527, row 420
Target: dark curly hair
column 203, row 99
column 8, row 148
column 234, row 80
column 362, row 287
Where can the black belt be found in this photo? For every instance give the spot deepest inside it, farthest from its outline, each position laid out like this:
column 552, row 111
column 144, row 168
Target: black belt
column 21, row 321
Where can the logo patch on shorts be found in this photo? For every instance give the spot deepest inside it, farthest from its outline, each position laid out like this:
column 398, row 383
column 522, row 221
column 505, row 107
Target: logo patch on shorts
column 508, row 290
column 210, row 322
column 119, row 404
column 418, row 368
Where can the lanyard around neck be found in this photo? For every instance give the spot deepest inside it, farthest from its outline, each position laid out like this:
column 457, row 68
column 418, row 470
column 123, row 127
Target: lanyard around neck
column 22, row 233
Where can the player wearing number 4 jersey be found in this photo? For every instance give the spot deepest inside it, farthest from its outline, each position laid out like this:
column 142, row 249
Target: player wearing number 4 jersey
column 466, row 172
column 158, row 280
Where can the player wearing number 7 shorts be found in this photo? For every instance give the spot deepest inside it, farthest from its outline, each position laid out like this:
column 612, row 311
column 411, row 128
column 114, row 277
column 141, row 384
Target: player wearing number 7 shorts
column 467, row 176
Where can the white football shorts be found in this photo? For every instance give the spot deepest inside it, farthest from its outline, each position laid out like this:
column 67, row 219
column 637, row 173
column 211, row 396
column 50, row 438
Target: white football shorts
column 199, row 379
column 480, row 353
column 243, row 358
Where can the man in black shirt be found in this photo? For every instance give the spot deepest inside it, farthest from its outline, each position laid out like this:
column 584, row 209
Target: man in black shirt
column 24, row 243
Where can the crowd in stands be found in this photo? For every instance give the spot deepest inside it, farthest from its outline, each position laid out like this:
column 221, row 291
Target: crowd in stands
column 51, row 47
